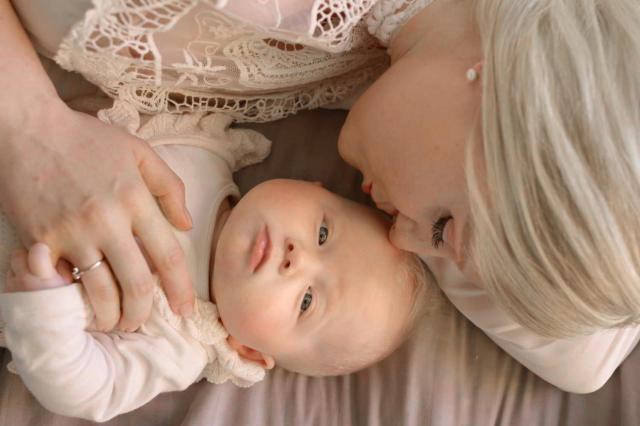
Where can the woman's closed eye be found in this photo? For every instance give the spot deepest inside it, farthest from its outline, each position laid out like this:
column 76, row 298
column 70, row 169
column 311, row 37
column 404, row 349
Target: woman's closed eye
column 437, row 231
column 323, row 234
column 307, row 299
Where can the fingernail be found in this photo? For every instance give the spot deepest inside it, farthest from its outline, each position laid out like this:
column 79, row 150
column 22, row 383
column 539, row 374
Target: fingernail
column 186, row 310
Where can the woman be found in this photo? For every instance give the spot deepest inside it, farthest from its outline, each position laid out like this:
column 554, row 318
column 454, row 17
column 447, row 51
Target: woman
column 503, row 139
column 532, row 199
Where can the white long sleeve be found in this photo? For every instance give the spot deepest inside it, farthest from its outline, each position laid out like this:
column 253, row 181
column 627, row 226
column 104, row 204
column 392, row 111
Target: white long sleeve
column 90, row 374
column 580, row 365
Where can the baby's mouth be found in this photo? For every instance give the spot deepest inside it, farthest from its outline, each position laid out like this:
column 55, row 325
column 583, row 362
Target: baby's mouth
column 260, row 250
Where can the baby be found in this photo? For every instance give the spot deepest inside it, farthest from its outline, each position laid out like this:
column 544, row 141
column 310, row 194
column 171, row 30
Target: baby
column 290, row 275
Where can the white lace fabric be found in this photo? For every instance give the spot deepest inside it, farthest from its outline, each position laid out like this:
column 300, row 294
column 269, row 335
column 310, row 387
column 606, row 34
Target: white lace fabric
column 239, row 147
column 330, row 25
column 224, row 362
column 256, row 60
column 388, row 16
column 187, row 56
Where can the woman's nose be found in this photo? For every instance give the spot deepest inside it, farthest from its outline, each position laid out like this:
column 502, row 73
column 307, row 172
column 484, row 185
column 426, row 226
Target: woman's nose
column 291, row 259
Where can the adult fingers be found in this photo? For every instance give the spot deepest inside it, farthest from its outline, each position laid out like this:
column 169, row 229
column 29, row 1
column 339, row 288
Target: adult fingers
column 136, row 281
column 164, row 184
column 167, row 256
column 101, row 288
column 63, row 267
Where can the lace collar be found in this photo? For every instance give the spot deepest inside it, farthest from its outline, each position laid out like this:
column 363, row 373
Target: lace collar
column 387, row 16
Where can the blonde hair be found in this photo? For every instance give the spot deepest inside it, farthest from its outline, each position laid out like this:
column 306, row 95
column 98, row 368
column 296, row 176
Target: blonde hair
column 557, row 236
column 427, row 298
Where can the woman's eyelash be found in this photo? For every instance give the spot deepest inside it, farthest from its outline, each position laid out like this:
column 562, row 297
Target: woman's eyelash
column 437, row 231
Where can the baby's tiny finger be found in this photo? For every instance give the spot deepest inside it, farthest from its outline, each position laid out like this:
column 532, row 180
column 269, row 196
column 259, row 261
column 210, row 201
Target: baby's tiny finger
column 39, row 261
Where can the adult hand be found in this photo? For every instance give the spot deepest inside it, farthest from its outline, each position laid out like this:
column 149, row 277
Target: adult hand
column 82, row 187
column 85, row 189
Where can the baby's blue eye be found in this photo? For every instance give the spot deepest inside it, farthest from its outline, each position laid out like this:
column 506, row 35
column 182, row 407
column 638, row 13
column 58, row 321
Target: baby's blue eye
column 323, row 234
column 306, row 300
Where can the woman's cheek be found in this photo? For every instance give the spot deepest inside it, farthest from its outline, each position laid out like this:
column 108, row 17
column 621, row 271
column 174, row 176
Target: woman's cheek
column 405, row 235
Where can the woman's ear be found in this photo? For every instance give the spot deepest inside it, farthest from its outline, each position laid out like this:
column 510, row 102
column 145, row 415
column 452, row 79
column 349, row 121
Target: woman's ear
column 266, row 361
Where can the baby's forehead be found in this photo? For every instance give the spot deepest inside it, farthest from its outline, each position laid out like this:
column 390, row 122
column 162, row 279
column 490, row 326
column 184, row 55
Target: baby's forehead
column 362, row 330
column 372, row 315
column 353, row 346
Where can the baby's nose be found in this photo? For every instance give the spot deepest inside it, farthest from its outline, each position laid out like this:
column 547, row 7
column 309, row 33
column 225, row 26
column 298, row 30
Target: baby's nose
column 290, row 259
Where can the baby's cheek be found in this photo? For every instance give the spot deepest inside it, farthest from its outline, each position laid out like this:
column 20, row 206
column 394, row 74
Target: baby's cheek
column 254, row 328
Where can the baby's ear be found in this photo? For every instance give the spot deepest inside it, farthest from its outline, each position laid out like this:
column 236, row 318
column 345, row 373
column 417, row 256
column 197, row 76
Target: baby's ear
column 266, row 361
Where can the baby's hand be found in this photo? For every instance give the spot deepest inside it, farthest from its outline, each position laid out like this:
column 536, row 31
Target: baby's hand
column 33, row 270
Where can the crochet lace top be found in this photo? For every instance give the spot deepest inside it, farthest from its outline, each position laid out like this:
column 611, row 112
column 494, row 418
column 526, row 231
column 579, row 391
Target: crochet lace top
column 256, row 60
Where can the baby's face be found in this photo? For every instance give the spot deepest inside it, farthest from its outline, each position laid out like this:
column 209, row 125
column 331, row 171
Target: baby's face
column 305, row 276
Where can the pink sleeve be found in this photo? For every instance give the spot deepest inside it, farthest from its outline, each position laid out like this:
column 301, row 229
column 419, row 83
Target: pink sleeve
column 92, row 375
column 580, row 365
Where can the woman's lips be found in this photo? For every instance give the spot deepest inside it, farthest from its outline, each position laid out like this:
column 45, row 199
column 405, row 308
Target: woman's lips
column 260, row 250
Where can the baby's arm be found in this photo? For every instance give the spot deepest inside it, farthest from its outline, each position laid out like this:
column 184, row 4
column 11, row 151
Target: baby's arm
column 85, row 374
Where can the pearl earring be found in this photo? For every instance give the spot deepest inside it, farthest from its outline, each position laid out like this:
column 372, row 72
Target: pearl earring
column 472, row 74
